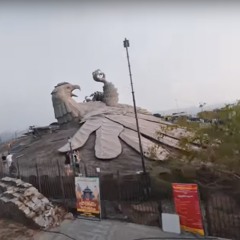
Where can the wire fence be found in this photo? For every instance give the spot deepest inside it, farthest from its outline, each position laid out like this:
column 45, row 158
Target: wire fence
column 127, row 197
column 221, row 213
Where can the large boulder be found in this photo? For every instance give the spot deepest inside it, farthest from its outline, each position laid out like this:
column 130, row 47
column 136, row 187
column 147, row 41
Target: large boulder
column 22, row 202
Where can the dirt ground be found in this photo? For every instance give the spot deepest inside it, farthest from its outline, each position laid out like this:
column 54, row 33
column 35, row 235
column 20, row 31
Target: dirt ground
column 10, row 230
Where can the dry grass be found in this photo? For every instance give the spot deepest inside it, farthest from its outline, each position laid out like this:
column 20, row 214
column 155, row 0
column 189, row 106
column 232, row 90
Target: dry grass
column 10, row 230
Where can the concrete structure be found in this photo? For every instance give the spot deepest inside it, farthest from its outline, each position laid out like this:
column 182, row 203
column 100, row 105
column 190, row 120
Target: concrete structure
column 80, row 229
column 112, row 123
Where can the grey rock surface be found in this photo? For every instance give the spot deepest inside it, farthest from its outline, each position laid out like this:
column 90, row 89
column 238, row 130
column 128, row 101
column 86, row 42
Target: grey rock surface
column 22, row 202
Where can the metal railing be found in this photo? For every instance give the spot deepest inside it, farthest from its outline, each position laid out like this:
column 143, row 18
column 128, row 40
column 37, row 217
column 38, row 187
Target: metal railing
column 126, row 197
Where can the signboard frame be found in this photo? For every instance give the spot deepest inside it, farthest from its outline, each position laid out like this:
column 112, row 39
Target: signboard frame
column 88, row 200
column 187, row 206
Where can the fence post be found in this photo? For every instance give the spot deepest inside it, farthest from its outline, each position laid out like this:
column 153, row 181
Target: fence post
column 208, row 226
column 85, row 169
column 146, row 185
column 38, row 178
column 2, row 169
column 62, row 185
column 18, row 169
column 119, row 190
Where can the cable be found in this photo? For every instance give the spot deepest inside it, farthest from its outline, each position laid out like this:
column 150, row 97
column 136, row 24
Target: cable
column 59, row 233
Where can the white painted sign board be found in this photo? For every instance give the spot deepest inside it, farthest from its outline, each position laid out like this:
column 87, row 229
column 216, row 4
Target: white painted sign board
column 171, row 223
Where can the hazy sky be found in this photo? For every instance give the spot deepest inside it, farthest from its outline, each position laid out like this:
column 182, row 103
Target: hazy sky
column 182, row 53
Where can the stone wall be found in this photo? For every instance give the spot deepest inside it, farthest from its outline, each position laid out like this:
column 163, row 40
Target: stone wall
column 22, row 202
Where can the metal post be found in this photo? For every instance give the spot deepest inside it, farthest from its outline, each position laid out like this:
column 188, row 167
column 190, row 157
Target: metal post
column 126, row 45
column 71, row 156
column 119, row 187
column 85, row 169
column 2, row 170
column 38, row 178
column 62, row 185
column 18, row 170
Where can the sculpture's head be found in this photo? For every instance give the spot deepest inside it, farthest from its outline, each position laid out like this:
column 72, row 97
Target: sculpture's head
column 64, row 89
column 66, row 109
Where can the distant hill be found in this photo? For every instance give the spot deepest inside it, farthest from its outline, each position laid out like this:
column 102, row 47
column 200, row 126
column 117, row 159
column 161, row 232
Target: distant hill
column 191, row 110
column 9, row 135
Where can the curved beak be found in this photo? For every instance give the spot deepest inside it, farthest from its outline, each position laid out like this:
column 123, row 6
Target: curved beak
column 74, row 87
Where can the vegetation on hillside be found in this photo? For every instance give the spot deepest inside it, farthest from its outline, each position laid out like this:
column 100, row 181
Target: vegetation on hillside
column 218, row 139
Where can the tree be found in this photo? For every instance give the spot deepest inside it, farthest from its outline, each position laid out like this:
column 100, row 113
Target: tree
column 218, row 141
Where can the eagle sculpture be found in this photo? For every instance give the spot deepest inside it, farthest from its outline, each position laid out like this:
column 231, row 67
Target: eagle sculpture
column 113, row 123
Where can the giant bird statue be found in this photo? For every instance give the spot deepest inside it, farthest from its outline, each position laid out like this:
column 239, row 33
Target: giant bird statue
column 112, row 123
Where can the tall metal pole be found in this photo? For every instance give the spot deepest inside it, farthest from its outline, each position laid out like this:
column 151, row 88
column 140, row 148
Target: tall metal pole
column 126, row 45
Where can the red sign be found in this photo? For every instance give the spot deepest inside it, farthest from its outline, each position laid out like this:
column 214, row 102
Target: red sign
column 187, row 207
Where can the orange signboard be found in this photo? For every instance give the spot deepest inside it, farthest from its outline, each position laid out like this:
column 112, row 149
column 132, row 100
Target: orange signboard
column 187, row 206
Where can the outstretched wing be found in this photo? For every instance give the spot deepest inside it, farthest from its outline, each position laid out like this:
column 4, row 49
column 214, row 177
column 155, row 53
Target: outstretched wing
column 130, row 137
column 107, row 144
column 111, row 129
column 149, row 129
column 82, row 135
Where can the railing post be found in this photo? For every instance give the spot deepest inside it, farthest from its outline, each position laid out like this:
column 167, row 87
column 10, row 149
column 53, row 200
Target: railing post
column 119, row 191
column 145, row 180
column 62, row 185
column 38, row 178
column 85, row 169
column 208, row 226
column 18, row 169
column 2, row 169
column 119, row 188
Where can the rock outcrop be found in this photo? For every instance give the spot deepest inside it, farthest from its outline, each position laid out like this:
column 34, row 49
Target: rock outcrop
column 22, row 202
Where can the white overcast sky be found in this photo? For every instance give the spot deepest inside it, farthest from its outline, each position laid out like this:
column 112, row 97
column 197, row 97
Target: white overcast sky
column 182, row 52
